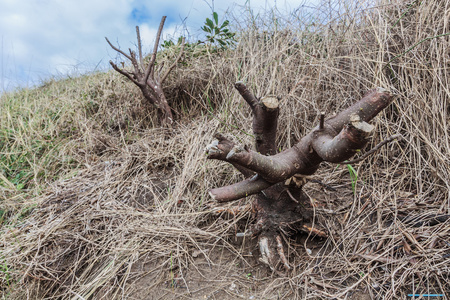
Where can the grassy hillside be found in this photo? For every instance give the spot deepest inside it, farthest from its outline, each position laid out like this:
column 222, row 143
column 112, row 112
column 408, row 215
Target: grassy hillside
column 96, row 200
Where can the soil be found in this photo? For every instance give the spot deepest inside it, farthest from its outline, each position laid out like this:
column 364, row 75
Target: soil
column 221, row 274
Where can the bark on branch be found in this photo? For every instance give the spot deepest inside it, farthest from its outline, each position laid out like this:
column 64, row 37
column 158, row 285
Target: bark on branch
column 265, row 119
column 334, row 140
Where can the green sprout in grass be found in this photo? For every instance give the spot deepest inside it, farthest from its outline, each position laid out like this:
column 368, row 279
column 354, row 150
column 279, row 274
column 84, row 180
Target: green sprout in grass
column 353, row 176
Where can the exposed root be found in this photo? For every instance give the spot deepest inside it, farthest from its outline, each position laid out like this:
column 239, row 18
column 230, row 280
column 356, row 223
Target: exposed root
column 314, row 231
column 264, row 249
column 272, row 252
column 280, row 251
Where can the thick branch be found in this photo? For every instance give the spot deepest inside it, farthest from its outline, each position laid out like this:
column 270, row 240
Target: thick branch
column 274, row 168
column 367, row 108
column 265, row 119
column 239, row 190
column 219, row 149
column 344, row 145
column 333, row 143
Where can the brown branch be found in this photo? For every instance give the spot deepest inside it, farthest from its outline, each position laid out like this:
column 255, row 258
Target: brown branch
column 376, row 148
column 322, row 120
column 138, row 35
column 246, row 94
column 281, row 254
column 367, row 108
column 274, row 168
column 124, row 73
column 137, row 69
column 314, row 231
column 219, row 149
column 247, row 187
column 117, row 49
column 144, row 77
column 333, row 143
column 344, row 145
column 265, row 119
column 151, row 64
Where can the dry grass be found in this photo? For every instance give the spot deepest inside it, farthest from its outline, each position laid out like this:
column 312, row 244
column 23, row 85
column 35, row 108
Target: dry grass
column 107, row 197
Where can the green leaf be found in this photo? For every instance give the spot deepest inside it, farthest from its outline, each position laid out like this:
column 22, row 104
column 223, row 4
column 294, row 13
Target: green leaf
column 221, row 42
column 217, row 30
column 225, row 24
column 209, row 23
column 206, row 29
column 216, row 18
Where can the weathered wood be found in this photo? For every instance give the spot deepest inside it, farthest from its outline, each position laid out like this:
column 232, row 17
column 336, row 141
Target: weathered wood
column 341, row 137
column 279, row 204
column 145, row 78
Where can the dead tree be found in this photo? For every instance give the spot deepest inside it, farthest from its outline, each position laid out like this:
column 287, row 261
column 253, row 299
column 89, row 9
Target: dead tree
column 276, row 179
column 144, row 76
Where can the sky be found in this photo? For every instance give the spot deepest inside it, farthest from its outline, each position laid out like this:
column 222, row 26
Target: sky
column 43, row 39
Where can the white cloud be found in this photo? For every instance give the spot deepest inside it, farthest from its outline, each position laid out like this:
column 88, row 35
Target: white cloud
column 53, row 37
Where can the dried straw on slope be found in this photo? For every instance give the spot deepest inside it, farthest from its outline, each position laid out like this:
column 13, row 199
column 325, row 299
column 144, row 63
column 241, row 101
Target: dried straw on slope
column 143, row 194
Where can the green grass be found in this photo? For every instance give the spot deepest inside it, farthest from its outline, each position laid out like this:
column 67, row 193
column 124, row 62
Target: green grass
column 37, row 132
column 31, row 139
column 353, row 176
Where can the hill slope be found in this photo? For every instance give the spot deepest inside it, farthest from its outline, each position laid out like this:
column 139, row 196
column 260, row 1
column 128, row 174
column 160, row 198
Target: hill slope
column 98, row 201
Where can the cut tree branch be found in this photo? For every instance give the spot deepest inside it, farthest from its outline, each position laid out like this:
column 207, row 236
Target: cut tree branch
column 145, row 78
column 219, row 149
column 265, row 119
column 244, row 188
column 334, row 140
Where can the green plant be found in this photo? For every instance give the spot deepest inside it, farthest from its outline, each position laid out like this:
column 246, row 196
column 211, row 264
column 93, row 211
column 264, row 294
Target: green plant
column 6, row 271
column 2, row 216
column 353, row 176
column 218, row 33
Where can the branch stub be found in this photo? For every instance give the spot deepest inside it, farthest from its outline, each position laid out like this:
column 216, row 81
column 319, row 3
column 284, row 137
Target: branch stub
column 270, row 102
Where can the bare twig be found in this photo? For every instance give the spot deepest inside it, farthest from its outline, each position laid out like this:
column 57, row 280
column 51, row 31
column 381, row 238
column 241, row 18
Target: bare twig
column 141, row 60
column 117, row 49
column 151, row 64
column 376, row 148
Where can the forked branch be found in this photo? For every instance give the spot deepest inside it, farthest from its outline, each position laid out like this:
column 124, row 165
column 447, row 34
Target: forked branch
column 144, row 75
column 334, row 140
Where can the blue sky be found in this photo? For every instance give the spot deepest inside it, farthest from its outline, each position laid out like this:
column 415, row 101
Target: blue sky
column 45, row 38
